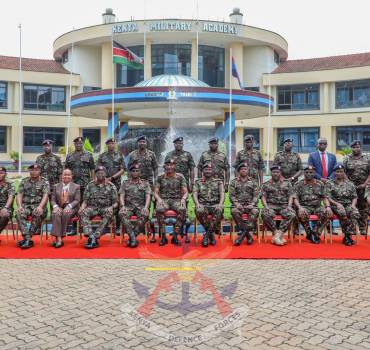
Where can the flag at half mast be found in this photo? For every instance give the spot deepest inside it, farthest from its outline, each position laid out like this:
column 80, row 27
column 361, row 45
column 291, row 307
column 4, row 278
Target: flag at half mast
column 124, row 56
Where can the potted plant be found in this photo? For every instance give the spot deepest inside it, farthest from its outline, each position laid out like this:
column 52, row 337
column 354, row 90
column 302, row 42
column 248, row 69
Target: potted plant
column 14, row 155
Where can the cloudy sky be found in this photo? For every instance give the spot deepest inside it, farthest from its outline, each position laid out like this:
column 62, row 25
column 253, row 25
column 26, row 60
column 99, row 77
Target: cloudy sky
column 312, row 28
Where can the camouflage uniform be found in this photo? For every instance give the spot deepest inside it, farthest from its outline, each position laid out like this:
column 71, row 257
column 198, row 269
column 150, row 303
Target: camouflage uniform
column 51, row 168
column 184, row 163
column 277, row 196
column 135, row 196
column 6, row 190
column 219, row 162
column 253, row 159
column 209, row 197
column 309, row 196
column 357, row 171
column 98, row 199
column 32, row 191
column 290, row 163
column 147, row 162
column 170, row 191
column 343, row 193
column 244, row 192
column 113, row 163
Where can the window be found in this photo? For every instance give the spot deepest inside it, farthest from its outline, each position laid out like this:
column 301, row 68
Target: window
column 304, row 139
column 94, row 136
column 3, row 94
column 298, row 97
column 2, row 139
column 211, row 65
column 347, row 134
column 44, row 98
column 33, row 137
column 256, row 134
column 171, row 59
column 90, row 88
column 127, row 76
column 253, row 88
column 352, row 94
column 65, row 57
column 276, row 57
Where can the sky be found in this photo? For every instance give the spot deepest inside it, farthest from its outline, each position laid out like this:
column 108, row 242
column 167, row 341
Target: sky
column 313, row 28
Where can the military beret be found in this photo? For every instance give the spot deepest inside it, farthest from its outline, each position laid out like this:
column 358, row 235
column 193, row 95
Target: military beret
column 208, row 165
column 288, row 140
column 248, row 137
column 98, row 168
column 134, row 166
column 78, row 139
column 170, row 161
column 47, row 142
column 355, row 143
column 241, row 165
column 338, row 166
column 275, row 167
column 34, row 166
column 2, row 168
column 112, row 139
column 180, row 138
column 309, row 167
column 213, row 139
column 142, row 138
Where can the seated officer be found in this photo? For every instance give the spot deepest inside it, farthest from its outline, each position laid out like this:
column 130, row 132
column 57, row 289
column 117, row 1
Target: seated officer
column 170, row 192
column 244, row 196
column 209, row 195
column 308, row 195
column 6, row 199
column 134, row 196
column 32, row 197
column 100, row 198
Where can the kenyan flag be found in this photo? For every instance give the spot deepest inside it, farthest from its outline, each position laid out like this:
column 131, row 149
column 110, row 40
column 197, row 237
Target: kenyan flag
column 126, row 57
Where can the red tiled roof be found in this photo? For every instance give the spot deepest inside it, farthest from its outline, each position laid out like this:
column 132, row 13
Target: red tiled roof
column 32, row 64
column 324, row 63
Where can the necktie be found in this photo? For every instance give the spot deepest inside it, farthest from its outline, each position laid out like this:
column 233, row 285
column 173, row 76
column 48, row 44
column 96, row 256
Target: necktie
column 64, row 198
column 324, row 167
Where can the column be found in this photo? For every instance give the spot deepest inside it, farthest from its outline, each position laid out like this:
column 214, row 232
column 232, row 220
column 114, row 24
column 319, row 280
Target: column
column 148, row 60
column 237, row 53
column 325, row 104
column 106, row 65
column 194, row 59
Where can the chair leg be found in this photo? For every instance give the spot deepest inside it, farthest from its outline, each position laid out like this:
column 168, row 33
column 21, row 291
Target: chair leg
column 357, row 234
column 121, row 235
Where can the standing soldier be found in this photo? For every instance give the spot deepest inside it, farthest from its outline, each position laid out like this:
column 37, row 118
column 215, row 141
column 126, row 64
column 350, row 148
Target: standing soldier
column 184, row 161
column 343, row 199
column 134, row 197
column 244, row 196
column 357, row 169
column 209, row 195
column 32, row 197
column 170, row 192
column 50, row 163
column 146, row 159
column 100, row 198
column 308, row 195
column 277, row 200
column 289, row 162
column 219, row 160
column 114, row 164
column 6, row 199
column 253, row 158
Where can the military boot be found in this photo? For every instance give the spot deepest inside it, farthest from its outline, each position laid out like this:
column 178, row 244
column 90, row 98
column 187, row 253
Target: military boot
column 92, row 243
column 21, row 242
column 249, row 238
column 132, row 242
column 175, row 240
column 240, row 238
column 205, row 240
column 277, row 239
column 28, row 243
column 163, row 240
column 347, row 240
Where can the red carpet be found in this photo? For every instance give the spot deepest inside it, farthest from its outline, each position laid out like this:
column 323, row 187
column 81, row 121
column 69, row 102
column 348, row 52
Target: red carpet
column 112, row 250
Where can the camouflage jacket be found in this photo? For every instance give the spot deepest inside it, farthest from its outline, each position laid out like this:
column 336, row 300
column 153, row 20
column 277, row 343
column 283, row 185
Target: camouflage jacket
column 253, row 159
column 357, row 169
column 100, row 196
column 289, row 162
column 6, row 190
column 184, row 162
column 243, row 192
column 81, row 164
column 208, row 190
column 219, row 161
column 309, row 194
column 277, row 193
column 113, row 163
column 51, row 167
column 342, row 193
column 135, row 193
column 170, row 187
column 33, row 191
column 147, row 162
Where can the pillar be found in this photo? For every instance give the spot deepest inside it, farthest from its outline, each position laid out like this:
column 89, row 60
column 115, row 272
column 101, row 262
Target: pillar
column 194, row 59
column 106, row 66
column 148, row 60
column 237, row 53
column 325, row 104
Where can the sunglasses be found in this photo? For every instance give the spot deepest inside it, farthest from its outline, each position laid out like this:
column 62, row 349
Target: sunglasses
column 322, row 143
column 135, row 171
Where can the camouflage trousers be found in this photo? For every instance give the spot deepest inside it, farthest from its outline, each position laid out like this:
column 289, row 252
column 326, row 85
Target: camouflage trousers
column 245, row 225
column 170, row 204
column 36, row 221
column 347, row 218
column 288, row 215
column 210, row 224
column 362, row 208
column 321, row 214
column 137, row 226
column 4, row 221
column 88, row 214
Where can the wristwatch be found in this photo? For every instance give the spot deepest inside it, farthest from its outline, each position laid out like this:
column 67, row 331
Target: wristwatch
column 293, row 178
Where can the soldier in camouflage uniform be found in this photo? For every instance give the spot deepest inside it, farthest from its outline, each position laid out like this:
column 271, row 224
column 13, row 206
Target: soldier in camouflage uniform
column 170, row 192
column 289, row 162
column 343, row 199
column 308, row 195
column 114, row 164
column 219, row 160
column 277, row 200
column 208, row 194
column 135, row 200
column 184, row 161
column 100, row 198
column 244, row 196
column 32, row 197
column 253, row 158
column 50, row 163
column 357, row 169
column 146, row 159
column 6, row 199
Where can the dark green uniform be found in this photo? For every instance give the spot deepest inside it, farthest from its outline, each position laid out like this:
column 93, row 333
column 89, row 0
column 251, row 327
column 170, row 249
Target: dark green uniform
column 51, row 168
column 6, row 190
column 113, row 163
column 147, row 162
column 290, row 163
column 219, row 162
column 254, row 160
column 184, row 163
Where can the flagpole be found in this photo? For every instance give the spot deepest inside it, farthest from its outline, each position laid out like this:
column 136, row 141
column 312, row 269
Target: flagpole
column 113, row 114
column 20, row 126
column 268, row 128
column 230, row 102
column 70, row 94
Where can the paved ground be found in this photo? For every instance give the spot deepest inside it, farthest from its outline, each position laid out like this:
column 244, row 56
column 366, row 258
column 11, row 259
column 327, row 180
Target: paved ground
column 84, row 304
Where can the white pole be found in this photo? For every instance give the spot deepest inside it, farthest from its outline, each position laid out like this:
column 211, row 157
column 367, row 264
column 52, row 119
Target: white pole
column 20, row 126
column 230, row 102
column 71, row 69
column 113, row 114
column 268, row 127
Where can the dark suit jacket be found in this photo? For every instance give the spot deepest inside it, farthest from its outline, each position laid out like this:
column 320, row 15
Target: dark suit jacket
column 73, row 195
column 315, row 160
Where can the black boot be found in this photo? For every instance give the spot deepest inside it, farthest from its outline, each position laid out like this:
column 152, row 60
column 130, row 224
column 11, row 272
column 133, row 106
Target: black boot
column 351, row 240
column 21, row 242
column 163, row 240
column 347, row 240
column 92, row 243
column 175, row 240
column 132, row 241
column 240, row 238
column 249, row 238
column 316, row 238
column 212, row 238
column 310, row 236
column 28, row 243
column 205, row 240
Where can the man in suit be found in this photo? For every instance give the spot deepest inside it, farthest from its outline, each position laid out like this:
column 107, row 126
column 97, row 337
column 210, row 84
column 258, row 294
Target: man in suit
column 323, row 161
